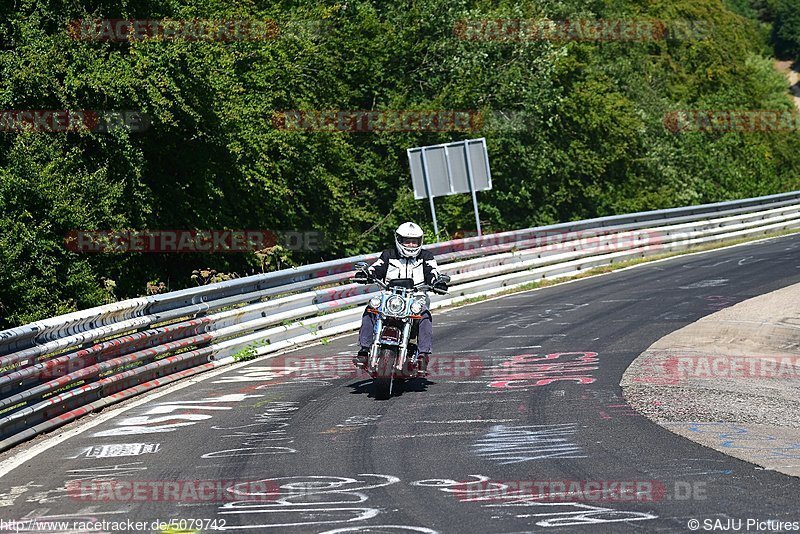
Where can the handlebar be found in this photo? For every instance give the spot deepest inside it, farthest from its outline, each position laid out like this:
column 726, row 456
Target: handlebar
column 432, row 289
column 384, row 285
column 369, row 280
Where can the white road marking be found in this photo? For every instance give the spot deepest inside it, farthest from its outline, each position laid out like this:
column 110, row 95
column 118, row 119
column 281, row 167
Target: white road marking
column 717, row 282
column 464, row 421
column 723, row 262
column 493, row 350
column 379, row 528
column 514, row 335
column 481, row 392
column 460, row 382
column 492, row 401
column 431, row 435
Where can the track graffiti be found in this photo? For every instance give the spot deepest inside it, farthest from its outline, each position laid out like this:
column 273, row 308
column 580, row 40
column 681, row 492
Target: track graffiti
column 114, row 450
column 529, row 320
column 147, row 424
column 610, row 405
column 266, row 434
column 359, row 420
column 527, row 370
column 517, row 444
column 545, row 514
column 48, row 496
column 304, row 500
column 255, row 373
column 382, row 529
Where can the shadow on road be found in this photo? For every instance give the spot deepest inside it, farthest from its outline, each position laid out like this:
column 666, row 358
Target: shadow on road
column 366, row 387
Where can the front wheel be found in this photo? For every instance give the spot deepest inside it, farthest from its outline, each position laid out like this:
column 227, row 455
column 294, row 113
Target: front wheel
column 385, row 372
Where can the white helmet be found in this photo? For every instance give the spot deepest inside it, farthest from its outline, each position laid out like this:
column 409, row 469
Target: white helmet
column 408, row 238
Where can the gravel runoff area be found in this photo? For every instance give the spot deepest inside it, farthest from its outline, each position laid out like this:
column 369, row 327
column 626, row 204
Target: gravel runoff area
column 730, row 381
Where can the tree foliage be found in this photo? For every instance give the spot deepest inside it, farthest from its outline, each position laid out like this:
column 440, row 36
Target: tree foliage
column 576, row 128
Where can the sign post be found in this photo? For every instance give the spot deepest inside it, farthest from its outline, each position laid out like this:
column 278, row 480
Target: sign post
column 472, row 190
column 449, row 169
column 428, row 192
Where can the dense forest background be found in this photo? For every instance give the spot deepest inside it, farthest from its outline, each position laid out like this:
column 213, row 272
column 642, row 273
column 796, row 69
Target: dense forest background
column 591, row 141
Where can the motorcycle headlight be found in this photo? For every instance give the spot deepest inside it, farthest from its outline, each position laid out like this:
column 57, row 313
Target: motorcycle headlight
column 375, row 302
column 416, row 307
column 395, row 305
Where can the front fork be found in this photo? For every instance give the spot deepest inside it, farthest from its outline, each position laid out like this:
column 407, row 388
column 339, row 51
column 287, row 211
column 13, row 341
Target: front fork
column 376, row 345
column 401, row 360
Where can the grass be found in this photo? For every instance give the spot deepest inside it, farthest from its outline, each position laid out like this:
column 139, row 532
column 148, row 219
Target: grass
column 249, row 352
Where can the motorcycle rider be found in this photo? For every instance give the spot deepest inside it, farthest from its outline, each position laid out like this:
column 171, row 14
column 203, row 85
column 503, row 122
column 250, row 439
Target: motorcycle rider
column 405, row 260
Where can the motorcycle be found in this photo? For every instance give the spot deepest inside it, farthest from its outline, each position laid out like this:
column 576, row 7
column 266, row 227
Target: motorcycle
column 393, row 355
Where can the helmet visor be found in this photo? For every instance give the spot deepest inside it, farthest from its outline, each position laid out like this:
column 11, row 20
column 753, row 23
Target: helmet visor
column 410, row 242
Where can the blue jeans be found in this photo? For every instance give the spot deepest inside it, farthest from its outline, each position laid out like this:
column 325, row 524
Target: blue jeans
column 424, row 338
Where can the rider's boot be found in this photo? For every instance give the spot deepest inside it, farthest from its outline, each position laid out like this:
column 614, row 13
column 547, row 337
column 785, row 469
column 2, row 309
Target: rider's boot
column 360, row 359
column 422, row 364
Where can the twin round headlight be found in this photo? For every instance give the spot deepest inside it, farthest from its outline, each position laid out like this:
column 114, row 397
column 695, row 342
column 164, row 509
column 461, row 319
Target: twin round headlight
column 395, row 305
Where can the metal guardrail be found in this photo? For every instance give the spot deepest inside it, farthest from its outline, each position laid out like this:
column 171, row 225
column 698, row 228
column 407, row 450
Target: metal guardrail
column 55, row 370
column 154, row 309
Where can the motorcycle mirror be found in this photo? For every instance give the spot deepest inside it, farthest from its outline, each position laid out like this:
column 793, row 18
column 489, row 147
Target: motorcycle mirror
column 360, row 265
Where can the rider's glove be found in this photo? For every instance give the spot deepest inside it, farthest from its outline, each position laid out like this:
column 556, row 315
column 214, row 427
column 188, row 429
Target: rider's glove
column 439, row 283
column 362, row 277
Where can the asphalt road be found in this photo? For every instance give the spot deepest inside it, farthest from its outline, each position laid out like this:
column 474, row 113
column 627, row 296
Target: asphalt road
column 521, row 429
